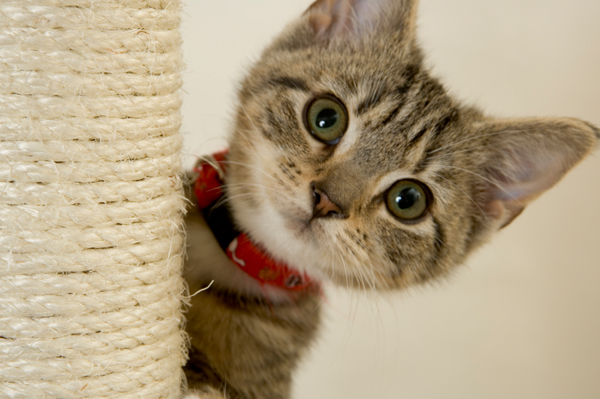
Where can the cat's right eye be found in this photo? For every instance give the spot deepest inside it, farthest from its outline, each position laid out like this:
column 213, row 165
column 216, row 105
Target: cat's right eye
column 326, row 119
column 408, row 200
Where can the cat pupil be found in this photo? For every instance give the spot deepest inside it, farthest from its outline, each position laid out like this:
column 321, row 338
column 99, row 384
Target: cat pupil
column 407, row 198
column 327, row 118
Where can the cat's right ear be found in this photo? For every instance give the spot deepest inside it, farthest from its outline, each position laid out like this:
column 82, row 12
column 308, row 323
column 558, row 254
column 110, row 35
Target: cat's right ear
column 354, row 19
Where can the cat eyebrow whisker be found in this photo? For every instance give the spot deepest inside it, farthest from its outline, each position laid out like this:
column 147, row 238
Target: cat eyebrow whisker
column 247, row 140
column 475, row 138
column 420, row 166
column 428, row 160
column 440, row 156
column 467, row 195
column 486, row 179
column 251, row 122
column 258, row 132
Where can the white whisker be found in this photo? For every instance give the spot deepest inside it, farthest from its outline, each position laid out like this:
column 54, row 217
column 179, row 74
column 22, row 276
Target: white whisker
column 251, row 166
column 486, row 179
column 475, row 138
column 467, row 195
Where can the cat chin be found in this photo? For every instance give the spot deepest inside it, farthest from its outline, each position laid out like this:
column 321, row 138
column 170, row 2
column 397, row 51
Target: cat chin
column 298, row 242
column 290, row 239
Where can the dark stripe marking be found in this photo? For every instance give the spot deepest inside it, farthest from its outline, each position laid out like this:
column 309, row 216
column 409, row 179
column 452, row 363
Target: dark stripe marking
column 409, row 79
column 439, row 240
column 287, row 107
column 436, row 268
column 439, row 128
column 418, row 136
column 371, row 101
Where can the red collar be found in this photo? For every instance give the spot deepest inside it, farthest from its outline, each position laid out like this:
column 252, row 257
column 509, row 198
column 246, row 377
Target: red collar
column 253, row 260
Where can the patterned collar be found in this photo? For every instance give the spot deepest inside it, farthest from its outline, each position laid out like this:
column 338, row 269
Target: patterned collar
column 249, row 257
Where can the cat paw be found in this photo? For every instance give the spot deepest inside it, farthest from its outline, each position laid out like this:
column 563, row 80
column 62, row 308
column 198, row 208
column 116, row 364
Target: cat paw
column 204, row 393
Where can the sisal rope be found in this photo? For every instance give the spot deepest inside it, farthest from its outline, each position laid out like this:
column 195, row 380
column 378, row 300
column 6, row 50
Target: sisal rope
column 90, row 199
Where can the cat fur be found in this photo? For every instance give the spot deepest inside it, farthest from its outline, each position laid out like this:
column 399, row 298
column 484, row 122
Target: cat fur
column 246, row 340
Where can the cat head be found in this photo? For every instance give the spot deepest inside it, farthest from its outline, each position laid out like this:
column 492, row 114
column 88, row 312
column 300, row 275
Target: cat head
column 351, row 162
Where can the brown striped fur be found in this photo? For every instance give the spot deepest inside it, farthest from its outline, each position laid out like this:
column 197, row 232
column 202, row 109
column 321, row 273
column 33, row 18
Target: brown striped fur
column 481, row 171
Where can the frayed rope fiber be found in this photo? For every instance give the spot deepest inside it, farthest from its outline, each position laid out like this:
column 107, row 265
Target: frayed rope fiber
column 91, row 207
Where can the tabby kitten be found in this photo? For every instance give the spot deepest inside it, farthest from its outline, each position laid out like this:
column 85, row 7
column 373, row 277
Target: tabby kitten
column 350, row 163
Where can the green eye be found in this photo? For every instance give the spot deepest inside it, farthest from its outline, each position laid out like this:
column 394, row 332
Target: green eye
column 326, row 119
column 408, row 200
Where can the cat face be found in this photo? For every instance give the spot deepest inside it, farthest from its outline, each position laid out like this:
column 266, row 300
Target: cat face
column 351, row 162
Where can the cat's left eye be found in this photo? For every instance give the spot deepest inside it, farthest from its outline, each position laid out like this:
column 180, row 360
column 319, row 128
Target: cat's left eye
column 408, row 200
column 326, row 119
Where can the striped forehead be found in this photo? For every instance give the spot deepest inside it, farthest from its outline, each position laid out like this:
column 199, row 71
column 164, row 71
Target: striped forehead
column 396, row 119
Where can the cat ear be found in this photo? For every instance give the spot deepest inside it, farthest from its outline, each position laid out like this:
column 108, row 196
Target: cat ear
column 524, row 158
column 356, row 18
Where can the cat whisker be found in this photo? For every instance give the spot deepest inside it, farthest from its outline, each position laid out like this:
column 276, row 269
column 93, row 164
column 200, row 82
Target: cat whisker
column 267, row 188
column 247, row 140
column 360, row 277
column 251, row 166
column 370, row 280
column 258, row 131
column 366, row 279
column 278, row 146
column 512, row 131
column 345, row 268
column 467, row 195
column 467, row 150
column 369, row 259
column 225, row 199
column 251, row 121
column 486, row 179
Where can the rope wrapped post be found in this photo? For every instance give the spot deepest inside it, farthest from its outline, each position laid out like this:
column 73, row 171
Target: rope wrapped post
column 90, row 199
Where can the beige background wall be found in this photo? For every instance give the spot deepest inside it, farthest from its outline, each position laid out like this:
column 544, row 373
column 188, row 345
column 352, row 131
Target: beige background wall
column 522, row 318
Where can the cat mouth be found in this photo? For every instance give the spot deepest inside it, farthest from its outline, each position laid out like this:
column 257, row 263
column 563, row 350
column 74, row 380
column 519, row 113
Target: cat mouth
column 306, row 228
column 300, row 226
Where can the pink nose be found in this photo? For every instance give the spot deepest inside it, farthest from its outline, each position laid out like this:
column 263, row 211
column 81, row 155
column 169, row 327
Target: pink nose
column 323, row 206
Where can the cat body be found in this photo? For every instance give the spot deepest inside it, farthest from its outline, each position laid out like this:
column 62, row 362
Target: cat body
column 351, row 163
column 242, row 344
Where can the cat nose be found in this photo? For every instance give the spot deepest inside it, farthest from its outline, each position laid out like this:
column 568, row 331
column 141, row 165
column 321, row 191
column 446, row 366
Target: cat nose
column 323, row 205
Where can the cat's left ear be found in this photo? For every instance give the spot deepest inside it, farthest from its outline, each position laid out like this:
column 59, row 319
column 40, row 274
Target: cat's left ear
column 349, row 19
column 523, row 158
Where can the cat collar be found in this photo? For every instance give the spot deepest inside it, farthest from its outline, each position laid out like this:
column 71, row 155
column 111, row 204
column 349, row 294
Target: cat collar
column 250, row 258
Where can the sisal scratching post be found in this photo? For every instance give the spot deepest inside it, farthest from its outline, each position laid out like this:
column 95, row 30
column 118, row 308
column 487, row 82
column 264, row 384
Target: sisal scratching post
column 90, row 199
